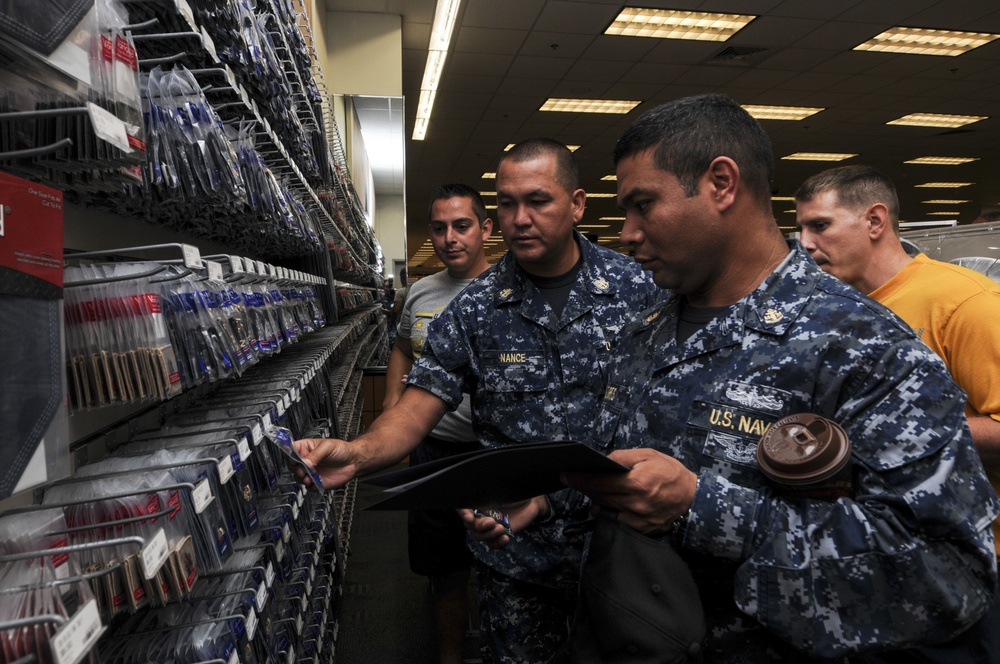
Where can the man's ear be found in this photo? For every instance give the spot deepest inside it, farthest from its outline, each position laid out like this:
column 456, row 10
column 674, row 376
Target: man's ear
column 878, row 221
column 723, row 180
column 487, row 228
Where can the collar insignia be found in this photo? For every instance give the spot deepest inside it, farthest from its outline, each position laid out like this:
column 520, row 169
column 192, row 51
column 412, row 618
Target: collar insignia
column 772, row 316
column 602, row 283
column 506, row 292
column 653, row 316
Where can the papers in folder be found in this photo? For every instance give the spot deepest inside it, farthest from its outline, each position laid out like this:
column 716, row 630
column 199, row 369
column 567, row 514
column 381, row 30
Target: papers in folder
column 488, row 477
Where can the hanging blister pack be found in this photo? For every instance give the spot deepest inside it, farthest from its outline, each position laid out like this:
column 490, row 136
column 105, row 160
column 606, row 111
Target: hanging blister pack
column 282, row 439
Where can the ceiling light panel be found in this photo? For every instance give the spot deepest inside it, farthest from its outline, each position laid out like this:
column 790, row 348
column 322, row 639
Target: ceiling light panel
column 819, row 156
column 946, row 201
column 922, row 41
column 936, row 120
column 619, row 106
column 571, row 148
column 676, row 24
column 945, row 185
column 941, row 161
column 780, row 112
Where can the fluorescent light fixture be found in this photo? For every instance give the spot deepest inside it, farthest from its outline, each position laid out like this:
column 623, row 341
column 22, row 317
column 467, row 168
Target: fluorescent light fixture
column 437, row 52
column 946, row 201
column 936, row 120
column 945, row 185
column 677, row 24
column 782, row 198
column 594, row 226
column 619, row 106
column 610, row 178
column 612, row 219
column 942, row 161
column 488, row 175
column 571, row 148
column 943, row 213
column 487, row 193
column 920, row 224
column 780, row 112
column 490, row 207
column 600, row 195
column 819, row 156
column 922, row 41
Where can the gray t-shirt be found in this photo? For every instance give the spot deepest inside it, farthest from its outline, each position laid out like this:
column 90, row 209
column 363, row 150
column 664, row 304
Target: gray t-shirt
column 427, row 298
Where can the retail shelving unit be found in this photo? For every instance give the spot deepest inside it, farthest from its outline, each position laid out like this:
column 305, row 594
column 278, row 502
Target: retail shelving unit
column 165, row 514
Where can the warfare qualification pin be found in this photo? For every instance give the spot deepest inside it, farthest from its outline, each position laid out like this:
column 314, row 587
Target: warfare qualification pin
column 602, row 283
column 772, row 316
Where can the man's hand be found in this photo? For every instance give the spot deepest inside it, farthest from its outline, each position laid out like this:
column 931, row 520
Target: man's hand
column 519, row 516
column 333, row 459
column 652, row 495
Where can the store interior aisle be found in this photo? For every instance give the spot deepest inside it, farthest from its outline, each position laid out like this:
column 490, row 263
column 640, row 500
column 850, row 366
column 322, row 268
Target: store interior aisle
column 384, row 616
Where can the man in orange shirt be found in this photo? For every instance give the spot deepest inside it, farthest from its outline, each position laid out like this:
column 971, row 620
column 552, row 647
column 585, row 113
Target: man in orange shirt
column 848, row 218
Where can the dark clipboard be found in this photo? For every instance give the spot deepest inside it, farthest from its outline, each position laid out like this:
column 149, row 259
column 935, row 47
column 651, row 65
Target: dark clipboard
column 489, row 477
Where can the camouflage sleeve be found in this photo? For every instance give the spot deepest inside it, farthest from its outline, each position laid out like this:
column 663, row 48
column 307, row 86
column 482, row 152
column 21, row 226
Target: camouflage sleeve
column 908, row 558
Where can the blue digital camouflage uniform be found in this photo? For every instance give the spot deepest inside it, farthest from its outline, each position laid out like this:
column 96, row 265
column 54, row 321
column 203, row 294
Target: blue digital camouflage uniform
column 533, row 377
column 908, row 556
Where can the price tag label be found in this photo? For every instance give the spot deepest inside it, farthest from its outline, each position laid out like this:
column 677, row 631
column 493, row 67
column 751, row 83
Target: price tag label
column 214, row 271
column 237, row 263
column 225, row 469
column 209, row 44
column 77, row 636
column 154, row 554
column 202, row 495
column 279, row 551
column 258, row 433
column 184, row 9
column 234, row 657
column 269, row 574
column 286, row 533
column 244, row 447
column 108, row 127
column 192, row 257
column 252, row 621
column 266, row 418
column 261, row 597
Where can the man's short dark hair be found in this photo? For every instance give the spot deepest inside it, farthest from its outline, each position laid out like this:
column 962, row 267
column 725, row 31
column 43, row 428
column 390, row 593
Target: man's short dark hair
column 457, row 190
column 988, row 217
column 856, row 187
column 689, row 133
column 567, row 172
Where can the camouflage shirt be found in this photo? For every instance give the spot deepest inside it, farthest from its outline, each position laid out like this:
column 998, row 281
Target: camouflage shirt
column 907, row 555
column 533, row 376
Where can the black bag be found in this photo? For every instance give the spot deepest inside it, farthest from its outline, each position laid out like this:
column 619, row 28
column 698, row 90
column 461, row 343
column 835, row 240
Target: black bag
column 638, row 601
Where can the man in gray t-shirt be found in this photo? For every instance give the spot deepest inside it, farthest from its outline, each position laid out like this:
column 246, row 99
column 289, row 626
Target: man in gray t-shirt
column 436, row 538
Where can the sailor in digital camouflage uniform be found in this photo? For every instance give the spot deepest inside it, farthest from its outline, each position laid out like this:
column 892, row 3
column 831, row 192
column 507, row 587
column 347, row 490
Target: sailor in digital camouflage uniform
column 528, row 340
column 755, row 331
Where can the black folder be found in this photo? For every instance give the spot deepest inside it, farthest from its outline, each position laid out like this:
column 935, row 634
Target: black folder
column 488, row 477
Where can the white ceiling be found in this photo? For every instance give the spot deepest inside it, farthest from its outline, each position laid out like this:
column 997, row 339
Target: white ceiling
column 509, row 56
